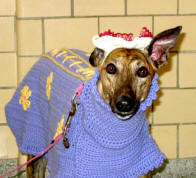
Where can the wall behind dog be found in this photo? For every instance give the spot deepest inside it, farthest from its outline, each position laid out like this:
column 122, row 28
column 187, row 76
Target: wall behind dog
column 29, row 28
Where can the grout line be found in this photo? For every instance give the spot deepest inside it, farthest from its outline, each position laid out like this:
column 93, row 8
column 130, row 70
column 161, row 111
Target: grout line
column 91, row 16
column 3, row 124
column 16, row 8
column 72, row 8
column 178, row 142
column 6, row 88
column 125, row 1
column 16, row 38
column 193, row 123
column 165, row 124
column 7, row 16
column 28, row 56
column 98, row 24
column 173, row 124
column 178, row 7
column 8, row 52
column 188, row 51
column 178, row 72
column 39, row 18
column 174, row 88
column 8, row 159
column 192, row 14
column 153, row 25
column 16, row 17
column 43, row 37
column 15, row 35
column 16, row 47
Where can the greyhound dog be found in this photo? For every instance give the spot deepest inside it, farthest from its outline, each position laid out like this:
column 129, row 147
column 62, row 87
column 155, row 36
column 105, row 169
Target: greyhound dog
column 124, row 78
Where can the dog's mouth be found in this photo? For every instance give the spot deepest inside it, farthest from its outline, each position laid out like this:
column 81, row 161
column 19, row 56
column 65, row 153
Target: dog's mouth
column 125, row 114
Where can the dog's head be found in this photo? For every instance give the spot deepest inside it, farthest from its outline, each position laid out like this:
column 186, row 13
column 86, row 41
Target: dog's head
column 126, row 74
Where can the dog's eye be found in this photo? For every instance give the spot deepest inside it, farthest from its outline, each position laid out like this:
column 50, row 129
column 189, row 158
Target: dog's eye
column 142, row 72
column 111, row 69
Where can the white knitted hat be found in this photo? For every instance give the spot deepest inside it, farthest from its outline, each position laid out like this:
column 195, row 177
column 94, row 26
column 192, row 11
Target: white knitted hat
column 108, row 41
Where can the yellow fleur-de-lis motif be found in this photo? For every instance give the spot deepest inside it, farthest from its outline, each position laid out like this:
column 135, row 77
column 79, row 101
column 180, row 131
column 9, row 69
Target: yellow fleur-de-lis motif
column 24, row 97
column 59, row 129
column 49, row 81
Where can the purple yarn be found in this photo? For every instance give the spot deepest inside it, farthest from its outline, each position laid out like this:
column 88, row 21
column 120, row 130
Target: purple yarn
column 109, row 147
column 101, row 145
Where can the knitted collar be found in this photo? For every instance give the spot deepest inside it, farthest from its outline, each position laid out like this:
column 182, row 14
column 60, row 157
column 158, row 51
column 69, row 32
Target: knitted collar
column 102, row 124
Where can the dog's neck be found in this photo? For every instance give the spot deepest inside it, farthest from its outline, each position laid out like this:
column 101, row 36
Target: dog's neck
column 99, row 116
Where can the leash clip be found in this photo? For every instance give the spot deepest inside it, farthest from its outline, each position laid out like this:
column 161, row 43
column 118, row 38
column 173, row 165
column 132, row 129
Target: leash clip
column 68, row 122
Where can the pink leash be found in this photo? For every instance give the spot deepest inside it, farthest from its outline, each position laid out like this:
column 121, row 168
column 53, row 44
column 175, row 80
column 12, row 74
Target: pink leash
column 54, row 142
column 34, row 158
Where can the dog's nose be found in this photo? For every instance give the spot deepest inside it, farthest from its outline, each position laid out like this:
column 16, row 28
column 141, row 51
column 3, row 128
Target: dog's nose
column 125, row 104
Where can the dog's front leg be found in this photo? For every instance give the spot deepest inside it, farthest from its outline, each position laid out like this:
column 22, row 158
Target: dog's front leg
column 146, row 176
column 37, row 168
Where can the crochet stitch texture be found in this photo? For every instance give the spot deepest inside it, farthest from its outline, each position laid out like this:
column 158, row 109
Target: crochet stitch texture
column 101, row 145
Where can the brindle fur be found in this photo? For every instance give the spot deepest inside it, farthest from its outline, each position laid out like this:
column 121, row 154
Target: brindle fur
column 37, row 168
column 125, row 82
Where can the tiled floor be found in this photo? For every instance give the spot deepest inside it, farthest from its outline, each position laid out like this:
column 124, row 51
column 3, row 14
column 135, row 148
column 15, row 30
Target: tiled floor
column 184, row 168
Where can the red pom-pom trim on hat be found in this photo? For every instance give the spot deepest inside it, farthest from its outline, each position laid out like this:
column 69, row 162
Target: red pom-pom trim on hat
column 125, row 36
column 145, row 33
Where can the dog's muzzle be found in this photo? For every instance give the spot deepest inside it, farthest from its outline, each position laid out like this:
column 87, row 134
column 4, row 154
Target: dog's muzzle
column 125, row 107
column 125, row 104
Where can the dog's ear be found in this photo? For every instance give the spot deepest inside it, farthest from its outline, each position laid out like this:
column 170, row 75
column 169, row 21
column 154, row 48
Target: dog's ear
column 96, row 57
column 160, row 45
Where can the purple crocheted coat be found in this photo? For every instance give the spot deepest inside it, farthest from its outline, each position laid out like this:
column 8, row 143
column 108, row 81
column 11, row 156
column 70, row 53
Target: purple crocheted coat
column 101, row 145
